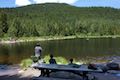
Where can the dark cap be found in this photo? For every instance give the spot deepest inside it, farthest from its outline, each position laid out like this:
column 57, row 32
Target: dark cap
column 51, row 56
column 71, row 60
column 38, row 44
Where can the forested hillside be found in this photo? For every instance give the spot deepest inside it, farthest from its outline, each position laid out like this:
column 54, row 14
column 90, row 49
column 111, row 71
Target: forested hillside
column 55, row 19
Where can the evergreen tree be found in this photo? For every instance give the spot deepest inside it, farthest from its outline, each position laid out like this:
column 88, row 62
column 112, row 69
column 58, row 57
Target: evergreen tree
column 1, row 32
column 60, row 19
column 15, row 29
column 34, row 31
column 3, row 22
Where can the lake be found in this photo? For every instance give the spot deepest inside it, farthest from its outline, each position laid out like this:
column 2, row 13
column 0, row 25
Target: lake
column 80, row 49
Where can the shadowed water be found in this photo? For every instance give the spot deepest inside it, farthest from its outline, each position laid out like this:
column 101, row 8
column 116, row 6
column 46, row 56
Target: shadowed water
column 80, row 49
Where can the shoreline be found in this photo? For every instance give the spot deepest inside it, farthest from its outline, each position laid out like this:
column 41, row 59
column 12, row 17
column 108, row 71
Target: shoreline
column 31, row 73
column 48, row 38
column 16, row 72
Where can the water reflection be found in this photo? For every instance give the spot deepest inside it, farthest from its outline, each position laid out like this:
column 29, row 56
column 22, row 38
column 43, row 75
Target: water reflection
column 80, row 49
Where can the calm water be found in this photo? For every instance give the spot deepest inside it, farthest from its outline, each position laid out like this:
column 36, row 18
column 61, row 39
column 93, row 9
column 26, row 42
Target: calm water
column 72, row 48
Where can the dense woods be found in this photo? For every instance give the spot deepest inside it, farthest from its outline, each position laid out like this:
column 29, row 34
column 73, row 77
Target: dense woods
column 55, row 19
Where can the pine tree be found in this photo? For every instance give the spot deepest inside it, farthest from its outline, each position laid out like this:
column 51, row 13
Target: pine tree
column 15, row 29
column 1, row 33
column 3, row 22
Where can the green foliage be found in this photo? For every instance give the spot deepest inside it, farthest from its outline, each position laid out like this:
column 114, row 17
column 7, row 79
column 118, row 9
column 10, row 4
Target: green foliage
column 54, row 19
column 59, row 60
column 32, row 31
column 12, row 30
column 26, row 63
column 1, row 32
column 15, row 29
column 3, row 22
column 34, row 59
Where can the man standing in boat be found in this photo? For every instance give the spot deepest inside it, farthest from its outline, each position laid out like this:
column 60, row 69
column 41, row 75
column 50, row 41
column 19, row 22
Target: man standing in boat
column 38, row 51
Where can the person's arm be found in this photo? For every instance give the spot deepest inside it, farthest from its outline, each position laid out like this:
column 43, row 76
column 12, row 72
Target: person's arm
column 40, row 49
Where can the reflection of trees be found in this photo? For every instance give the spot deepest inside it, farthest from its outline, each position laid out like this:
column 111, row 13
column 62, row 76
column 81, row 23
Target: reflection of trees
column 22, row 51
column 81, row 48
column 5, row 55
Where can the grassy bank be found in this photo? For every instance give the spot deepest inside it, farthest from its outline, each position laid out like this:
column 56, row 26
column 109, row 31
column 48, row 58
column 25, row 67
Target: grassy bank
column 60, row 60
column 44, row 38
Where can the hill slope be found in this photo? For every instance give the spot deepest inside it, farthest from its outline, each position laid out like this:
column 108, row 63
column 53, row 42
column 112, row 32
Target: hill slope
column 61, row 19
